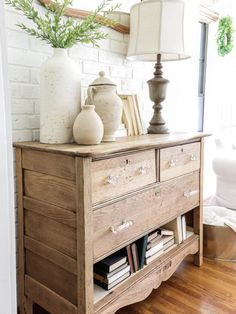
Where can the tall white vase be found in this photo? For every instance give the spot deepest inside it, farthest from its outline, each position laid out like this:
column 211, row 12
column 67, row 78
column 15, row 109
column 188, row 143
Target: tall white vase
column 59, row 98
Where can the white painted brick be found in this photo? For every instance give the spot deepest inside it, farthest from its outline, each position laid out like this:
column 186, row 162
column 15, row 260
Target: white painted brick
column 114, row 35
column 83, row 95
column 24, row 91
column 21, row 136
column 21, row 122
column 119, row 47
column 36, row 107
column 90, row 67
column 22, row 106
column 131, row 85
column 36, row 135
column 18, row 74
column 87, row 79
column 17, row 39
column 85, row 53
column 126, row 38
column 25, row 57
column 35, row 76
column 13, row 17
column 120, row 71
column 104, row 44
column 110, row 58
column 41, row 46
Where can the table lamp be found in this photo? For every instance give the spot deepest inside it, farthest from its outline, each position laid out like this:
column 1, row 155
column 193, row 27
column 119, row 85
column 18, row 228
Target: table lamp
column 157, row 34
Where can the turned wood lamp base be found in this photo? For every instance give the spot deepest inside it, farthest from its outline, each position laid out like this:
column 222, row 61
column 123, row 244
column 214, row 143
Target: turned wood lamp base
column 157, row 92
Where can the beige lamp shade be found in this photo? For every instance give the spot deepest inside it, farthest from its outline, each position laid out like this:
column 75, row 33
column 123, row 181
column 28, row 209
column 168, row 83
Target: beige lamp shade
column 157, row 27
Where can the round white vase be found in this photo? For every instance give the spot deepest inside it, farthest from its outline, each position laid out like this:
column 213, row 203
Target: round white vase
column 59, row 98
column 88, row 127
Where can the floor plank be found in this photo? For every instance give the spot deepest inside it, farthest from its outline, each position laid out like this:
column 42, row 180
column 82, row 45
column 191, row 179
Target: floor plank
column 210, row 289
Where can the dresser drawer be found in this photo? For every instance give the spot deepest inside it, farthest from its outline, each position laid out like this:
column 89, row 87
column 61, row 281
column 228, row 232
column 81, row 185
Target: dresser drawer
column 179, row 160
column 117, row 176
column 118, row 223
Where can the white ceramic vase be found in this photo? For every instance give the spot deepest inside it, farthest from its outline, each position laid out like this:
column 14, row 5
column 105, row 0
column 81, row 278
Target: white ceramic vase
column 59, row 98
column 88, row 127
column 102, row 93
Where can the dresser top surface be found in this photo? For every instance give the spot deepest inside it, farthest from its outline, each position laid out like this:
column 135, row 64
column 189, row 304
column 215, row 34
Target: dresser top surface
column 123, row 144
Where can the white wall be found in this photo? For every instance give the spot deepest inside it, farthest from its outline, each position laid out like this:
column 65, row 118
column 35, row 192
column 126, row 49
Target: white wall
column 7, row 223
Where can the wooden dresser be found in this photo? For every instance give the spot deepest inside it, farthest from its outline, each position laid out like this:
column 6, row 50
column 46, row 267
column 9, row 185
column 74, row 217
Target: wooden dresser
column 79, row 204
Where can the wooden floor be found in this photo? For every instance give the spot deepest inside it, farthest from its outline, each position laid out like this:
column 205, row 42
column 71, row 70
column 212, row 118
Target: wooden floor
column 210, row 289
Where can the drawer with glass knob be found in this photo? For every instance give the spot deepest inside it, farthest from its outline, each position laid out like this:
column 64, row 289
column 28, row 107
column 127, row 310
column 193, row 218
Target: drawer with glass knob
column 178, row 160
column 118, row 176
column 118, row 223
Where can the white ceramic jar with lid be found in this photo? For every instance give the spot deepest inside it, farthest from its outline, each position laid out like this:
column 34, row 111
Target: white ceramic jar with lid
column 103, row 94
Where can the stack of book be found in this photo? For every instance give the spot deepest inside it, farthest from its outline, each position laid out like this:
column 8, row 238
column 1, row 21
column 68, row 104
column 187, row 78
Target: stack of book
column 155, row 246
column 111, row 271
column 132, row 115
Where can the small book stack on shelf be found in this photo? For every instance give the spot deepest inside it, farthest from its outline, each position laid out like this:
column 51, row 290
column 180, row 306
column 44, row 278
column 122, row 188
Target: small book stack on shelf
column 132, row 115
column 112, row 270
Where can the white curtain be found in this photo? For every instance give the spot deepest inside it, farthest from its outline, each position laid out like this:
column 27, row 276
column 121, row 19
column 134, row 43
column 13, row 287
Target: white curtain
column 7, row 221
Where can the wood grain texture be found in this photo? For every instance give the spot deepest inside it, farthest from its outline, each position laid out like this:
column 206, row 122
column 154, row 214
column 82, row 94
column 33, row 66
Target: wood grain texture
column 20, row 213
column 176, row 161
column 47, row 298
column 147, row 210
column 208, row 289
column 128, row 173
column 51, row 233
column 84, row 236
column 52, row 164
column 141, row 284
column 82, row 14
column 50, row 254
column 52, row 276
column 56, row 213
column 123, row 144
column 50, row 189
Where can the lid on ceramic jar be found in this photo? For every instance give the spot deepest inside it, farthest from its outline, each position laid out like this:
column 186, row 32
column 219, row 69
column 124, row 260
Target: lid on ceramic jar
column 102, row 80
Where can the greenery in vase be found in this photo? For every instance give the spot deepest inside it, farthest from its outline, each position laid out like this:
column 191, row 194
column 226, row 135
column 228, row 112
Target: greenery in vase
column 61, row 32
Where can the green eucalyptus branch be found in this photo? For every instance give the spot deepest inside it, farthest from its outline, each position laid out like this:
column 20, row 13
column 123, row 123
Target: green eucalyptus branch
column 61, row 32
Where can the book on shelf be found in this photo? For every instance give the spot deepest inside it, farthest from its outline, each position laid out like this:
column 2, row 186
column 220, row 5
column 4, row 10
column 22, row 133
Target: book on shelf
column 104, row 274
column 176, row 226
column 169, row 244
column 130, row 258
column 111, row 262
column 155, row 249
column 155, row 241
column 134, row 250
column 167, row 238
column 142, row 247
column 113, row 284
column 153, row 235
column 165, row 232
column 184, row 230
column 114, row 277
column 153, row 257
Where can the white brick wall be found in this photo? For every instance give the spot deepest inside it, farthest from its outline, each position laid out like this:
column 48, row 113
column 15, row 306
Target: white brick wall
column 26, row 54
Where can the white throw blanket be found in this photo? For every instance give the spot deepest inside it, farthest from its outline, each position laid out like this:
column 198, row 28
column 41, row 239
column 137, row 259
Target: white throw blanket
column 219, row 216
